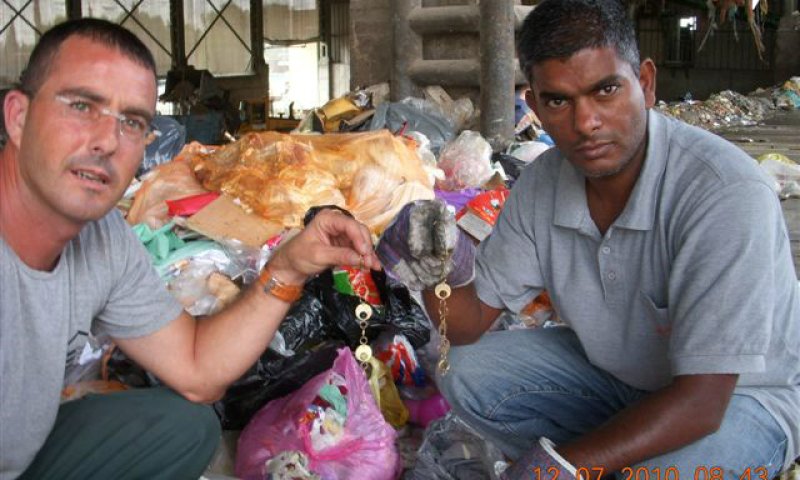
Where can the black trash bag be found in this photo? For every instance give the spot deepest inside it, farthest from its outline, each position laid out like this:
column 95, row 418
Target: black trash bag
column 321, row 321
column 273, row 376
column 511, row 165
column 166, row 146
column 400, row 313
column 124, row 370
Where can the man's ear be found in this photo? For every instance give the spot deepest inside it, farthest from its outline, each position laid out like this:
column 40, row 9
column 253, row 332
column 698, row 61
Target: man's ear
column 647, row 80
column 15, row 112
column 530, row 99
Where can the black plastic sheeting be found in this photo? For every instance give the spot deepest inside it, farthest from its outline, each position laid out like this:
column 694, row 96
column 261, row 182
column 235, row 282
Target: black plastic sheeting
column 315, row 326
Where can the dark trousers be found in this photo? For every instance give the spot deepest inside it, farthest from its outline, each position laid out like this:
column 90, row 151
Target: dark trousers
column 148, row 433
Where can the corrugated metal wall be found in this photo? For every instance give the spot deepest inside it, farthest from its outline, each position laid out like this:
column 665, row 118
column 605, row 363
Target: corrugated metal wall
column 727, row 49
column 340, row 32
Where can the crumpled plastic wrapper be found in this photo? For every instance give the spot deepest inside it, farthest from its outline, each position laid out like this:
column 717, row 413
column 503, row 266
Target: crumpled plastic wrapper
column 280, row 176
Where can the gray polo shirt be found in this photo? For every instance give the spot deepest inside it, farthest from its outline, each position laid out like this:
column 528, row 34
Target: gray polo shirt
column 695, row 276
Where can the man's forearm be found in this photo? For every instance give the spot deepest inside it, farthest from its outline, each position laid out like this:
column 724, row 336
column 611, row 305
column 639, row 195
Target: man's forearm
column 687, row 410
column 201, row 358
column 228, row 343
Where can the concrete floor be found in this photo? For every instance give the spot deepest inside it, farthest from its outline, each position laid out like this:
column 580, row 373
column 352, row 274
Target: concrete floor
column 779, row 134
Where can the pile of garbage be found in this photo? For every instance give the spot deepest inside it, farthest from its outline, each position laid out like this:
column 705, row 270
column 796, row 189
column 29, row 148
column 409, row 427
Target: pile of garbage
column 211, row 215
column 729, row 108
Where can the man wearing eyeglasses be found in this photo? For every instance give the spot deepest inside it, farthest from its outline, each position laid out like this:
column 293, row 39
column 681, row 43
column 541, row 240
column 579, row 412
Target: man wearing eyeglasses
column 77, row 126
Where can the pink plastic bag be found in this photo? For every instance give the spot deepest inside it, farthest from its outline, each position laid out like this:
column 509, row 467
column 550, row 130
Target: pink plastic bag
column 365, row 451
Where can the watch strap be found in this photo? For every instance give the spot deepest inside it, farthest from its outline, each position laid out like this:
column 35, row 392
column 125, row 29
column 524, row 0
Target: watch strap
column 273, row 286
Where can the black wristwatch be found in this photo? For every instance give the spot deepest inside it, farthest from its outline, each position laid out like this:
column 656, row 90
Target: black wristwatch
column 313, row 211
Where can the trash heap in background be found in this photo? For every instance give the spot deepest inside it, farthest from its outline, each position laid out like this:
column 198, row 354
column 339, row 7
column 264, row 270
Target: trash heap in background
column 729, row 108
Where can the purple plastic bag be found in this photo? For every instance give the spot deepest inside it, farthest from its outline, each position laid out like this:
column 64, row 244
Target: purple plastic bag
column 457, row 199
column 366, row 450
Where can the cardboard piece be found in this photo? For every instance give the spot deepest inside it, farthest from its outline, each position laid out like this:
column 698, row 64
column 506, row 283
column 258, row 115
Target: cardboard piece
column 223, row 219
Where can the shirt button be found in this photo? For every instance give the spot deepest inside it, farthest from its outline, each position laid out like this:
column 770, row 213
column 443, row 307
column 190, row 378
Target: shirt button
column 606, row 250
column 612, row 275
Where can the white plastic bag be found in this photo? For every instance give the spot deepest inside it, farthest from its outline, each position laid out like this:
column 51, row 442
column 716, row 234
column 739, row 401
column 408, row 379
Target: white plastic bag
column 466, row 162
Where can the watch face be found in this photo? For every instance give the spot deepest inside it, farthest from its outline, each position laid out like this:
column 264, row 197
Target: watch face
column 270, row 285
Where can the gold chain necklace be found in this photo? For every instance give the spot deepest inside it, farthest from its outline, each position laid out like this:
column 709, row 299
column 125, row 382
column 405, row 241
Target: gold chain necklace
column 363, row 314
column 442, row 292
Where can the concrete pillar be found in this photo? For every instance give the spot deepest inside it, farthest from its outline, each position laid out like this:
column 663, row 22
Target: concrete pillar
column 371, row 42
column 407, row 49
column 497, row 21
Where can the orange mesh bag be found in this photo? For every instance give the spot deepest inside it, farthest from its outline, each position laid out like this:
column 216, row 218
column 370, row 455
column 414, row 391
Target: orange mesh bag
column 280, row 176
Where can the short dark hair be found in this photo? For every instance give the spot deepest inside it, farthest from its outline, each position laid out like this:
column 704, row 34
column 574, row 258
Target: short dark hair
column 102, row 31
column 561, row 28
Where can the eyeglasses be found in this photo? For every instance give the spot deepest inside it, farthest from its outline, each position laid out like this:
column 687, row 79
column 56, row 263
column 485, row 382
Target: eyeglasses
column 132, row 127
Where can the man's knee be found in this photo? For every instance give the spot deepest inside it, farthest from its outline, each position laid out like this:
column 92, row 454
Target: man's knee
column 191, row 423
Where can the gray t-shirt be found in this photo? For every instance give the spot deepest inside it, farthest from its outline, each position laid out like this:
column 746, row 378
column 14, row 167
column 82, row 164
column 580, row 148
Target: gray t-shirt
column 103, row 283
column 695, row 275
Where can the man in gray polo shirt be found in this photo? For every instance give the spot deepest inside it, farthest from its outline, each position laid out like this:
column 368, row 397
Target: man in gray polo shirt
column 664, row 251
column 70, row 266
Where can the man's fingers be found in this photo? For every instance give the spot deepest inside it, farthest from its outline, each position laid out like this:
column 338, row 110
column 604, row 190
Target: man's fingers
column 338, row 229
column 350, row 241
column 333, row 256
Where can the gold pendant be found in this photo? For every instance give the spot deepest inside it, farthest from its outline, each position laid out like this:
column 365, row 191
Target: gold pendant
column 363, row 353
column 442, row 291
column 363, row 312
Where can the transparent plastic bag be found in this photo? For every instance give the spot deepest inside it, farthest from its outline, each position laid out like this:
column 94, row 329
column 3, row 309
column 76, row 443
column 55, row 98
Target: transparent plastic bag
column 786, row 177
column 466, row 162
column 452, row 450
column 202, row 290
column 364, row 449
column 169, row 181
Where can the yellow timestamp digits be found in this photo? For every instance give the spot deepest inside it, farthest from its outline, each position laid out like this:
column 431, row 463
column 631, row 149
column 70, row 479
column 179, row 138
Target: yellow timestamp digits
column 550, row 473
column 701, row 472
column 655, row 473
column 755, row 473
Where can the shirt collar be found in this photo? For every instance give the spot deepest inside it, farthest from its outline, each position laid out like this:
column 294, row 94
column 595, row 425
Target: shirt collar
column 571, row 210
